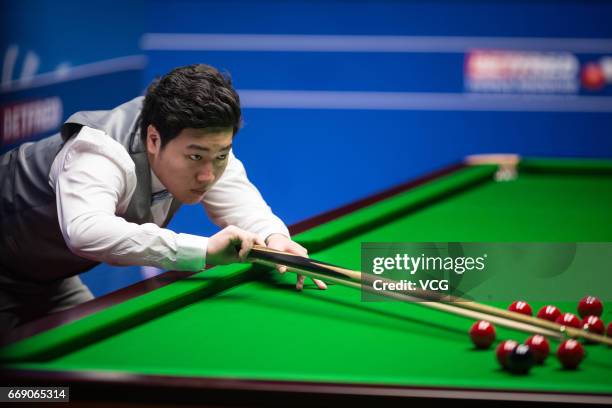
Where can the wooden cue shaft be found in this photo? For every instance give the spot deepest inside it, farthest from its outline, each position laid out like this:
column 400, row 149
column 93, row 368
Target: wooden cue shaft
column 471, row 314
column 327, row 271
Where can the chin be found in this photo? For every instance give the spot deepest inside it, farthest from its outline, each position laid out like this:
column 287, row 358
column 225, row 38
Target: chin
column 190, row 198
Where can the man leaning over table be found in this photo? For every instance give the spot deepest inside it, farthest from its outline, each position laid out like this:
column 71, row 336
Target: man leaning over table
column 106, row 186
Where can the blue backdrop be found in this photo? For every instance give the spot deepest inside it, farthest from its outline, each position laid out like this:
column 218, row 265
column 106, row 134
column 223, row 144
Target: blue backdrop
column 412, row 52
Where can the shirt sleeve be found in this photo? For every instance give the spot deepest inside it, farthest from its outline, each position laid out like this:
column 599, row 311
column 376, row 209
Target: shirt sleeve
column 234, row 200
column 94, row 179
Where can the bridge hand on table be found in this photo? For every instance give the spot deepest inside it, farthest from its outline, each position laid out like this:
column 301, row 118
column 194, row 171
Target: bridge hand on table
column 280, row 242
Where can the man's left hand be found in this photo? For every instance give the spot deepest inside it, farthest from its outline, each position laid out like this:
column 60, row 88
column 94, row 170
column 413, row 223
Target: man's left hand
column 280, row 242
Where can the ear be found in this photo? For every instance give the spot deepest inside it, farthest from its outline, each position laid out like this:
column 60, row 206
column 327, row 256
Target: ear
column 153, row 140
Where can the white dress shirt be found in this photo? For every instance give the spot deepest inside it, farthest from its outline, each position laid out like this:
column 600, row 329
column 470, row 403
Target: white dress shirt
column 94, row 179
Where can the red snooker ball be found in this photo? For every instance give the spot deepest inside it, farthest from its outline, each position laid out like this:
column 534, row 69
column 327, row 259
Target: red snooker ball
column 609, row 331
column 570, row 353
column 594, row 324
column 539, row 346
column 593, row 76
column 482, row 334
column 503, row 351
column 569, row 319
column 521, row 307
column 590, row 306
column 550, row 313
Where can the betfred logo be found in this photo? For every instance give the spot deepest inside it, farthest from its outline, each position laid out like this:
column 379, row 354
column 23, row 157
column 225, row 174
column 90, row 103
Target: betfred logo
column 521, row 72
column 21, row 121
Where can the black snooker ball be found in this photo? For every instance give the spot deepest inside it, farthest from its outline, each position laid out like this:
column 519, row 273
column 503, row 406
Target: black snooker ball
column 520, row 360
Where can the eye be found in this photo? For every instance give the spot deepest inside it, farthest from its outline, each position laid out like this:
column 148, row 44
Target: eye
column 222, row 157
column 195, row 157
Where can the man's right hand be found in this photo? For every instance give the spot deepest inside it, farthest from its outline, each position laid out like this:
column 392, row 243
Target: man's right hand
column 222, row 247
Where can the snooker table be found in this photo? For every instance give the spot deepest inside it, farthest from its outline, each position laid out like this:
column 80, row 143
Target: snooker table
column 241, row 335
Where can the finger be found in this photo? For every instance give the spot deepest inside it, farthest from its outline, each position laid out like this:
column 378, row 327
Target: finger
column 246, row 246
column 304, row 251
column 300, row 283
column 296, row 249
column 281, row 268
column 320, row 284
column 260, row 241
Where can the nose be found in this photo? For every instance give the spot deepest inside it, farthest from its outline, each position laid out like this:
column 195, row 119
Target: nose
column 205, row 174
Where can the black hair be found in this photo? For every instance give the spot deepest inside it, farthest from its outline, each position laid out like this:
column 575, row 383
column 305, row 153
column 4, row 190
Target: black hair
column 194, row 96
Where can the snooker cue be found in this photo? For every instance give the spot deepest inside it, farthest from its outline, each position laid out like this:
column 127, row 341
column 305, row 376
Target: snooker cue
column 347, row 277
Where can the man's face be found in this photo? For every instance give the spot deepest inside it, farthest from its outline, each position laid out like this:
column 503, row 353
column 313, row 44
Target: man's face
column 191, row 163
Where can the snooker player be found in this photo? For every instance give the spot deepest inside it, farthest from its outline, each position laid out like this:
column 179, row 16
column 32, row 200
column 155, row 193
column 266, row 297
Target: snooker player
column 105, row 187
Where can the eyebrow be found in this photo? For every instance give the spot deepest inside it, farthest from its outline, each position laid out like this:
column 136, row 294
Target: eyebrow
column 206, row 149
